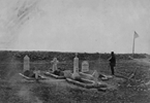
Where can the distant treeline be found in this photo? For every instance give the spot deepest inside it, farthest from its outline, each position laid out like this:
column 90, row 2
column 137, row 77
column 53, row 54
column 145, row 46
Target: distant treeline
column 62, row 56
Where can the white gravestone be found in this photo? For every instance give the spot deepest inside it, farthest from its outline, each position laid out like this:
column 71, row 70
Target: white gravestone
column 26, row 63
column 85, row 66
column 76, row 68
column 36, row 72
column 75, row 64
column 95, row 77
column 55, row 62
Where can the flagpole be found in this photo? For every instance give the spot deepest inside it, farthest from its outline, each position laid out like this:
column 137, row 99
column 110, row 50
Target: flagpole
column 134, row 37
column 133, row 47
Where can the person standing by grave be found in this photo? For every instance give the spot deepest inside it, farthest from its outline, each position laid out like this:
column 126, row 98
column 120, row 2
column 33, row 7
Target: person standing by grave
column 112, row 62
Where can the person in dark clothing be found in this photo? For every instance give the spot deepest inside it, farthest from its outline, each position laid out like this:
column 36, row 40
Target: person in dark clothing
column 112, row 62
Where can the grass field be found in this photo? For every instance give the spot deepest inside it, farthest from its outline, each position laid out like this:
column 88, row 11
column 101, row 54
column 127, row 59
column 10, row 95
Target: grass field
column 14, row 90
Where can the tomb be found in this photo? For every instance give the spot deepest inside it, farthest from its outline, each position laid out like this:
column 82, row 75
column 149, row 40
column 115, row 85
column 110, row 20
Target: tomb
column 85, row 66
column 55, row 72
column 26, row 63
column 27, row 73
column 83, row 79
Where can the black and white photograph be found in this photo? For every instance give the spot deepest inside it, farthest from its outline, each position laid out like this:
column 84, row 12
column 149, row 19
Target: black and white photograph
column 74, row 51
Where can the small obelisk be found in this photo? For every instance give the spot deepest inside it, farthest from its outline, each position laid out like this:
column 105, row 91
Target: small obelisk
column 26, row 63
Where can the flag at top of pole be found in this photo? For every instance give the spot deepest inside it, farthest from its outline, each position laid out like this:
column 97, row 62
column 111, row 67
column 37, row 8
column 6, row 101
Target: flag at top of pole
column 134, row 37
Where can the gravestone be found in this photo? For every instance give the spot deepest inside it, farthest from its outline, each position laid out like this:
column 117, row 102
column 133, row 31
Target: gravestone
column 85, row 66
column 55, row 62
column 36, row 72
column 95, row 77
column 26, row 63
column 76, row 64
column 75, row 74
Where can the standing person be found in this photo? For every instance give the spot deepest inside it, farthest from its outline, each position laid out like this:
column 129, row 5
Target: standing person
column 112, row 62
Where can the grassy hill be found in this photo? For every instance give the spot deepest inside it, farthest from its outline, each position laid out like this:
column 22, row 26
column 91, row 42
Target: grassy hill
column 13, row 90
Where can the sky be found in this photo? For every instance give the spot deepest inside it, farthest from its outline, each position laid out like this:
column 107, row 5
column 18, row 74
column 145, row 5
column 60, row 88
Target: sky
column 75, row 25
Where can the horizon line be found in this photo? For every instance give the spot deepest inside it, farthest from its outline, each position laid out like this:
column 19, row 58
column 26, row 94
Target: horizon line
column 36, row 50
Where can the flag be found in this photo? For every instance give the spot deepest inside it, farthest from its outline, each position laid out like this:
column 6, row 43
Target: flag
column 135, row 35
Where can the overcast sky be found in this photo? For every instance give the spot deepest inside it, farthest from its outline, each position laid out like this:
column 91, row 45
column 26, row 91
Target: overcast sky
column 75, row 25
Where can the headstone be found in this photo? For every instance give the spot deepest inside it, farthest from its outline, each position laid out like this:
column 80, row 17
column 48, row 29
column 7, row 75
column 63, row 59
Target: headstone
column 55, row 62
column 76, row 64
column 26, row 63
column 36, row 72
column 75, row 74
column 85, row 66
column 95, row 77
